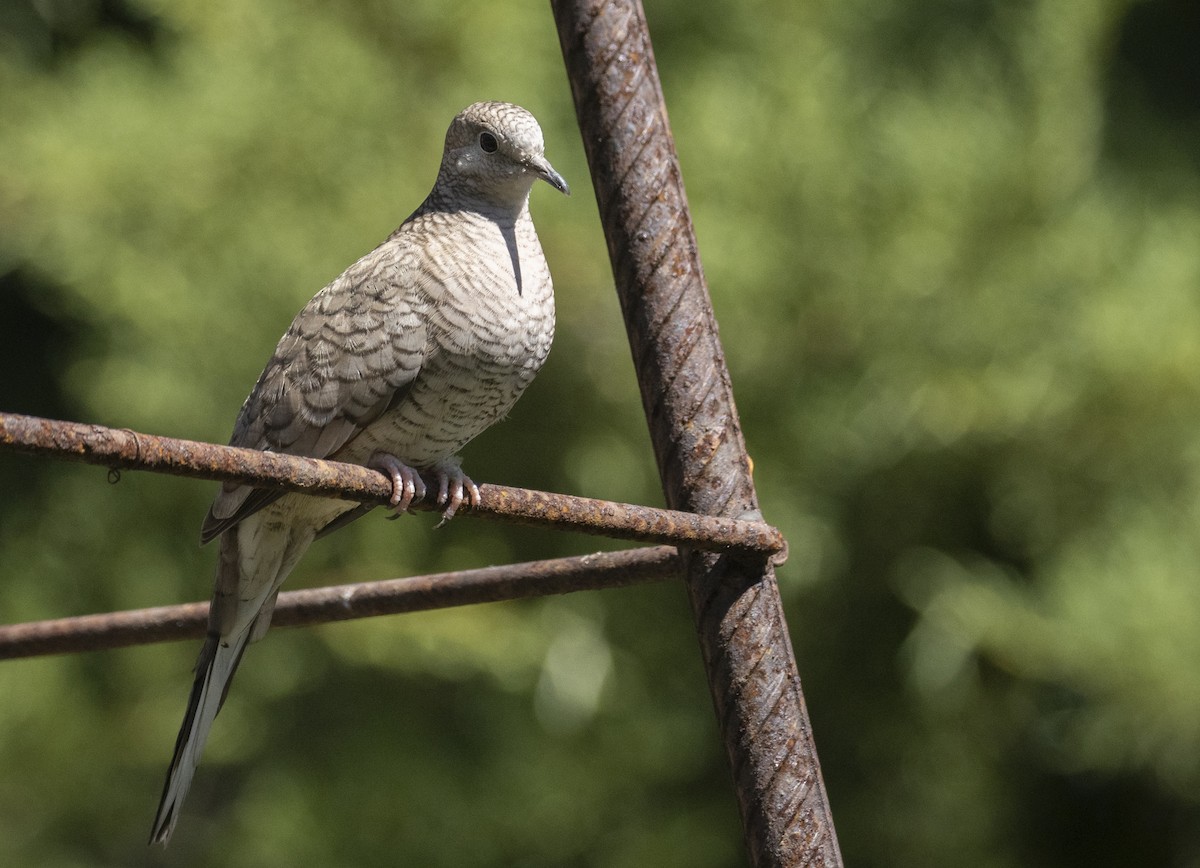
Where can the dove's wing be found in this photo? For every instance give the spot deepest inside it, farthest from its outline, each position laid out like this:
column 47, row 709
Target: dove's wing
column 348, row 356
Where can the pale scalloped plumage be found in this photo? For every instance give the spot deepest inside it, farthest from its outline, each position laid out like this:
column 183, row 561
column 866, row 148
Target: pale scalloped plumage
column 413, row 351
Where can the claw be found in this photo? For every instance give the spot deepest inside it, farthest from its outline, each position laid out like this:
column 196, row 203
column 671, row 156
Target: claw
column 454, row 487
column 407, row 484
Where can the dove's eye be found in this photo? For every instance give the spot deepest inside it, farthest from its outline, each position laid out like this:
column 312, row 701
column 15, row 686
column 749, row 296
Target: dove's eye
column 488, row 142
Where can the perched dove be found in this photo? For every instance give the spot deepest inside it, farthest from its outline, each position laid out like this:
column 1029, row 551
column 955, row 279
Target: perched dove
column 413, row 351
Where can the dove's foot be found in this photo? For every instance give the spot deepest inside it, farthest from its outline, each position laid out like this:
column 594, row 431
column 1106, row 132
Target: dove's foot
column 407, row 485
column 454, row 487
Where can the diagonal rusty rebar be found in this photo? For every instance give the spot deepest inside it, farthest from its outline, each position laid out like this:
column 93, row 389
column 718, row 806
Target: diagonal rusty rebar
column 122, row 448
column 346, row 602
column 694, row 427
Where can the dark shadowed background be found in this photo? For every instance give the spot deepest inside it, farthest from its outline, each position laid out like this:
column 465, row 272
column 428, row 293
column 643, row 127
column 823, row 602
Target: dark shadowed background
column 954, row 248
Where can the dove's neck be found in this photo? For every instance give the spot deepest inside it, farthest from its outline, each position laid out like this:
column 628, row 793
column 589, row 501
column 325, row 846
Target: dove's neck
column 503, row 209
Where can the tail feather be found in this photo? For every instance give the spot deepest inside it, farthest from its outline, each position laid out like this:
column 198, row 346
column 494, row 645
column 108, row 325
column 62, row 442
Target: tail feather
column 214, row 673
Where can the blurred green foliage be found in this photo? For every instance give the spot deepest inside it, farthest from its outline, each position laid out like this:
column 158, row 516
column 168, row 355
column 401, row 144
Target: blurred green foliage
column 954, row 247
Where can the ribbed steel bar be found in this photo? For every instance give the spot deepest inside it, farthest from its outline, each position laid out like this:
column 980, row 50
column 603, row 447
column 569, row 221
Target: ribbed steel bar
column 694, row 427
column 345, row 602
column 125, row 449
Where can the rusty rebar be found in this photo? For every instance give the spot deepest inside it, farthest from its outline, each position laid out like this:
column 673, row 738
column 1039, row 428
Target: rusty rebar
column 125, row 449
column 346, row 602
column 694, row 426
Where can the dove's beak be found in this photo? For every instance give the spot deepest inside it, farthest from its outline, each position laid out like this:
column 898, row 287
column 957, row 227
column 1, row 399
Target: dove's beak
column 541, row 167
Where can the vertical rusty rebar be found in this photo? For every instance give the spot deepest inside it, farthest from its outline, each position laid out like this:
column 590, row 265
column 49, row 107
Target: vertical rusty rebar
column 694, row 427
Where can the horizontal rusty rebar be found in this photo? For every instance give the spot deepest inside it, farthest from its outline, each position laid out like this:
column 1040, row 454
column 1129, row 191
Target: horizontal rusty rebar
column 346, row 602
column 125, row 449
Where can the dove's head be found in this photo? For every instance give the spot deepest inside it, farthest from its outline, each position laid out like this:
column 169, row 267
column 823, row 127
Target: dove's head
column 495, row 150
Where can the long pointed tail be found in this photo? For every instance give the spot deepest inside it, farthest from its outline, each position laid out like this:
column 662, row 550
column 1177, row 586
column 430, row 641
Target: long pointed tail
column 214, row 672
